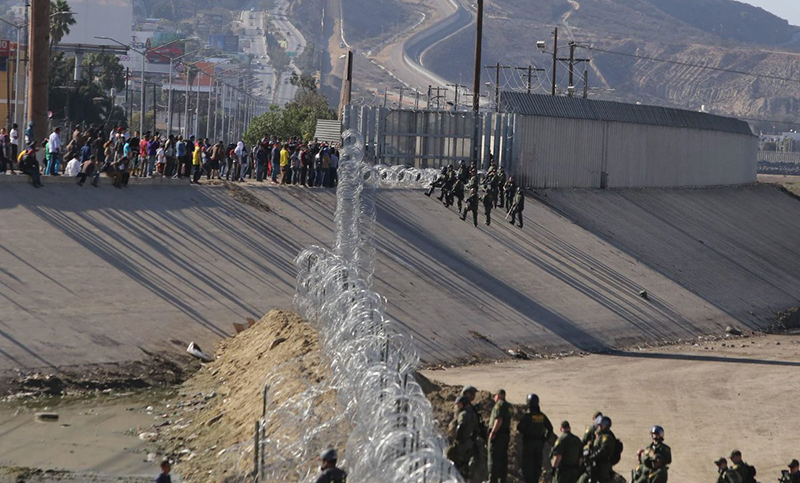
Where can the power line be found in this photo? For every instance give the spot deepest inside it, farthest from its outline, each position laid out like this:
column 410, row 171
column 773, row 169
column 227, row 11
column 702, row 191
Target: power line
column 689, row 64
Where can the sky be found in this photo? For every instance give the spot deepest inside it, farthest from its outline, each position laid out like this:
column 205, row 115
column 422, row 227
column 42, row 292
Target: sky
column 788, row 9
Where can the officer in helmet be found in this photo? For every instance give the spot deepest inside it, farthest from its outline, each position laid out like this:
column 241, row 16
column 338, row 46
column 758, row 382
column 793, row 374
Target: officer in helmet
column 535, row 429
column 329, row 473
column 647, row 455
column 600, row 454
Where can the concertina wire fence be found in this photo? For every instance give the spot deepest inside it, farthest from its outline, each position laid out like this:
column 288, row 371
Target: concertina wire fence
column 393, row 436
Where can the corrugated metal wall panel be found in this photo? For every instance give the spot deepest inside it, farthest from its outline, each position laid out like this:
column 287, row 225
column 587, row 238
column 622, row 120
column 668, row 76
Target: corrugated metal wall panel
column 578, row 108
column 574, row 153
column 558, row 153
column 653, row 156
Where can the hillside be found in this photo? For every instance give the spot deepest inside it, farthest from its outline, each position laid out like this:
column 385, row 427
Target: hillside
column 719, row 33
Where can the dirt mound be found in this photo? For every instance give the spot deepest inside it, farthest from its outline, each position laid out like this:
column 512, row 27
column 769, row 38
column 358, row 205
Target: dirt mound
column 217, row 408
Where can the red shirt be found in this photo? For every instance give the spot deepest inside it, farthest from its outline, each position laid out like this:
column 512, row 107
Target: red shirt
column 143, row 148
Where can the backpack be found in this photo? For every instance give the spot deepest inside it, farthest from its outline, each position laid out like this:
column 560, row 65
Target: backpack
column 617, row 454
column 750, row 471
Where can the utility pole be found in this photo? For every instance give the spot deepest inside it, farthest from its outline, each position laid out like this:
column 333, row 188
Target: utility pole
column 476, row 80
column 572, row 61
column 155, row 112
column 456, row 87
column 530, row 69
column 38, row 80
column 555, row 58
column 585, row 83
column 416, row 99
column 400, row 102
column 428, row 104
column 385, row 95
column 497, row 68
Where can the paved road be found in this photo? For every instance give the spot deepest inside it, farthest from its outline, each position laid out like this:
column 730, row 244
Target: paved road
column 251, row 23
column 274, row 85
column 99, row 275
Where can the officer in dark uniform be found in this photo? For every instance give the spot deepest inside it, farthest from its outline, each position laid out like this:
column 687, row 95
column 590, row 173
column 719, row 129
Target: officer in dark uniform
column 464, row 431
column 499, row 437
column 598, row 460
column 793, row 475
column 488, row 202
column 588, row 435
column 517, row 207
column 535, row 429
column 647, row 455
column 510, row 189
column 726, row 475
column 471, row 205
column 478, row 461
column 447, row 187
column 747, row 472
column 329, row 473
column 458, row 193
column 438, row 183
column 501, row 186
column 463, row 172
column 567, row 454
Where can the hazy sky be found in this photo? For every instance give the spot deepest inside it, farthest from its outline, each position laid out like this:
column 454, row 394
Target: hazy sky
column 788, row 9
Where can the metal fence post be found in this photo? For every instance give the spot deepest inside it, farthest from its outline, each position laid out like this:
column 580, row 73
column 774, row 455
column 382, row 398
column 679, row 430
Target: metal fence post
column 255, row 459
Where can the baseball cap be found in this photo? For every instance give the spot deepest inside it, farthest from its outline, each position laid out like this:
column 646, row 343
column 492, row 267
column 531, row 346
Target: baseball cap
column 794, row 463
column 720, row 461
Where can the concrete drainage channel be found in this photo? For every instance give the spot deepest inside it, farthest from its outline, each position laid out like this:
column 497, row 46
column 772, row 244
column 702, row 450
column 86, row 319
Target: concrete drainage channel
column 372, row 363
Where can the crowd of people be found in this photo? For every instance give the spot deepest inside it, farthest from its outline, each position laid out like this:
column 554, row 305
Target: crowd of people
column 476, row 448
column 121, row 155
column 496, row 190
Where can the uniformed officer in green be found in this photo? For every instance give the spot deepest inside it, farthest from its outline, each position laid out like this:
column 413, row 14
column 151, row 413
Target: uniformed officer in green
column 792, row 475
column 438, row 182
column 535, row 428
column 450, row 179
column 488, row 202
column 747, row 472
column 647, row 455
column 567, row 454
column 598, row 463
column 501, row 186
column 463, row 432
column 658, row 472
column 477, row 467
column 471, row 205
column 458, row 193
column 517, row 207
column 588, row 435
column 499, row 437
column 726, row 475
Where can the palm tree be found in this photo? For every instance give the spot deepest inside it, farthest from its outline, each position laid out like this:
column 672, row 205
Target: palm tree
column 61, row 18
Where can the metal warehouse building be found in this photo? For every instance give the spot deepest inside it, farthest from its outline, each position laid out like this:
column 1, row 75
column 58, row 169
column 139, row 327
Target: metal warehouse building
column 568, row 142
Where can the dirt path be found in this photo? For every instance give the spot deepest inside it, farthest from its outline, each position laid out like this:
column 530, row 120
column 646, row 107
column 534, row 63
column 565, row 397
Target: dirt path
column 711, row 398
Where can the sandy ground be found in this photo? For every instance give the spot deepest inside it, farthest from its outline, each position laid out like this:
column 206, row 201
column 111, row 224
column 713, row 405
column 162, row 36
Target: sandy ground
column 91, row 437
column 711, row 398
column 791, row 183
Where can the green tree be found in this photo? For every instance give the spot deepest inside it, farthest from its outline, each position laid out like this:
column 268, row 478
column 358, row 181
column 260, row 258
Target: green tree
column 105, row 69
column 61, row 19
column 305, row 82
column 298, row 118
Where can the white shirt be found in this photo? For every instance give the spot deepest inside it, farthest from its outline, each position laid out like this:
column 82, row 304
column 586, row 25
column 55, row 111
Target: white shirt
column 54, row 144
column 73, row 168
column 14, row 135
column 162, row 157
